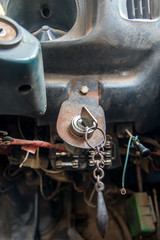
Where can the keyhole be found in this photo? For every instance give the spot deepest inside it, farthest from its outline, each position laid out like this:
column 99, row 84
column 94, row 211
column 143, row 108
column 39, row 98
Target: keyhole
column 2, row 32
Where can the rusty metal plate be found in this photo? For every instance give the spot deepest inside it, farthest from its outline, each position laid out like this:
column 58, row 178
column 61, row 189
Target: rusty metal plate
column 7, row 31
column 68, row 111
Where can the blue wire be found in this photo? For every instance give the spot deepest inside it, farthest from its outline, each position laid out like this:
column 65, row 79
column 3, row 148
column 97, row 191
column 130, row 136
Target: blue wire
column 135, row 140
column 126, row 162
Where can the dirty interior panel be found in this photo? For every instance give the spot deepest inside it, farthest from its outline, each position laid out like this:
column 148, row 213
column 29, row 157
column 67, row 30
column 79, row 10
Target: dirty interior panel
column 79, row 119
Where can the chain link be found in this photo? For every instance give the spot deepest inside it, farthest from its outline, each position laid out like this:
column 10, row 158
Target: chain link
column 98, row 159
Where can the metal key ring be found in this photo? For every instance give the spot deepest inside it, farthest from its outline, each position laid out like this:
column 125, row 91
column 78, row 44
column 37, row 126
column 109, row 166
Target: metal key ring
column 101, row 173
column 100, row 145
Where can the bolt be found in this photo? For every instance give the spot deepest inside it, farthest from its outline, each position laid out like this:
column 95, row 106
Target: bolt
column 84, row 90
column 45, row 28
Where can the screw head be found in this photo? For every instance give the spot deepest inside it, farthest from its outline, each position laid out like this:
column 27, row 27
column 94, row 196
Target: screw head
column 84, row 90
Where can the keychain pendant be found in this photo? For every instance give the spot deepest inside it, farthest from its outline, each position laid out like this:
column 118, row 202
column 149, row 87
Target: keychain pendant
column 101, row 211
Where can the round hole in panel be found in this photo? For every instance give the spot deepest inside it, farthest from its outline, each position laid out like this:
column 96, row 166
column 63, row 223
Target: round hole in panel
column 25, row 89
column 46, row 11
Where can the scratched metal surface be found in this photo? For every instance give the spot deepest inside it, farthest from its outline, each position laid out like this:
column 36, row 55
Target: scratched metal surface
column 72, row 108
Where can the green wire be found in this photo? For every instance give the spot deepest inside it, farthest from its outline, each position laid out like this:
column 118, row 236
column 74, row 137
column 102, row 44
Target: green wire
column 135, row 140
column 126, row 162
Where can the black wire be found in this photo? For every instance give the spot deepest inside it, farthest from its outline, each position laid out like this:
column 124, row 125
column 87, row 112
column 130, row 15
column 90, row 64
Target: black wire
column 6, row 189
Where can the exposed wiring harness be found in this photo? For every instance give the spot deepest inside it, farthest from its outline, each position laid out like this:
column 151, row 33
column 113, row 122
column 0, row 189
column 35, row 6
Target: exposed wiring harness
column 54, row 193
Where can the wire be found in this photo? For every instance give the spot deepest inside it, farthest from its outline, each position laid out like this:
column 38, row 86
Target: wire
column 154, row 167
column 9, row 175
column 123, row 191
column 156, row 204
column 157, row 212
column 78, row 189
column 32, row 145
column 122, row 224
column 36, row 216
column 91, row 196
column 150, row 141
column 135, row 140
column 42, row 191
column 50, row 171
column 87, row 202
column 42, row 168
column 19, row 128
column 6, row 189
column 25, row 159
column 152, row 161
column 155, row 153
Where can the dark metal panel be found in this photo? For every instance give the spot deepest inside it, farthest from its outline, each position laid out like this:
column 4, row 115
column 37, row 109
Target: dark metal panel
column 22, row 83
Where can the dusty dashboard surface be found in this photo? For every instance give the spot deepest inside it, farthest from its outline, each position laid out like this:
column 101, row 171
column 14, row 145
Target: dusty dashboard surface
column 80, row 116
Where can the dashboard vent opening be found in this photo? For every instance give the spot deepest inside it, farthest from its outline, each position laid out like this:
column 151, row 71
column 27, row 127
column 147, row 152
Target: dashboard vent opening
column 140, row 9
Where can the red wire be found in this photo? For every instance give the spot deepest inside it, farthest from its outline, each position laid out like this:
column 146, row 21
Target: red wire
column 154, row 167
column 152, row 163
column 78, row 189
column 32, row 145
column 155, row 153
